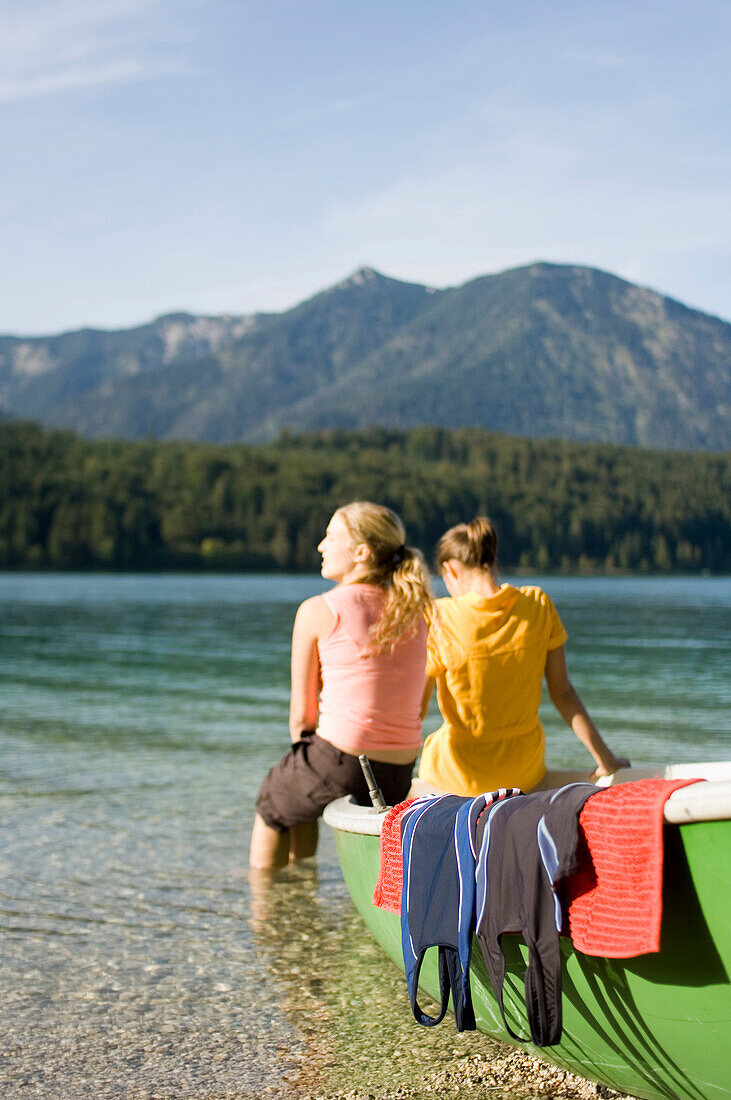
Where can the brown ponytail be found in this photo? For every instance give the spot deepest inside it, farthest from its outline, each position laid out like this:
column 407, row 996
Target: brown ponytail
column 474, row 544
column 393, row 566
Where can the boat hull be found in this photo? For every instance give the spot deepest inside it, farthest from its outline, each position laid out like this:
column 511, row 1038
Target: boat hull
column 655, row 1026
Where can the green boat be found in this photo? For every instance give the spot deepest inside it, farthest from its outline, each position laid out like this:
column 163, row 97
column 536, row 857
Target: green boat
column 655, row 1026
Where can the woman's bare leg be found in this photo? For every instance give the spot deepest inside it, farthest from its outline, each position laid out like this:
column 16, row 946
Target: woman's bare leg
column 303, row 840
column 269, row 848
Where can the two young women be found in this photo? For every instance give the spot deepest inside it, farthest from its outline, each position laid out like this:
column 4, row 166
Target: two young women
column 359, row 654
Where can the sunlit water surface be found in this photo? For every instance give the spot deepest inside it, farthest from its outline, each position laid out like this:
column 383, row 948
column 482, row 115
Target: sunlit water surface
column 139, row 714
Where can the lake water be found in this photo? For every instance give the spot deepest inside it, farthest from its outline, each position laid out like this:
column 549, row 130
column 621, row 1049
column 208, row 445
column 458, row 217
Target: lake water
column 138, row 715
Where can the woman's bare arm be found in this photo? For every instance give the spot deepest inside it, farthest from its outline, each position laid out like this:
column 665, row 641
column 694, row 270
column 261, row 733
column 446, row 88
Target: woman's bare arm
column 426, row 697
column 568, row 704
column 312, row 621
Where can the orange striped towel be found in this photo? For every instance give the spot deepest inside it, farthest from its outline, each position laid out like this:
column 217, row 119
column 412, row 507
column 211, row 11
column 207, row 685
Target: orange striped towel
column 387, row 894
column 615, row 901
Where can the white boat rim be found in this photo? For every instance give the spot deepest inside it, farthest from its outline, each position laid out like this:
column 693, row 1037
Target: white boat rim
column 707, row 801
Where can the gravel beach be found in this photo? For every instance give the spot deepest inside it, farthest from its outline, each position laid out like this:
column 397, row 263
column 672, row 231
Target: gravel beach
column 497, row 1073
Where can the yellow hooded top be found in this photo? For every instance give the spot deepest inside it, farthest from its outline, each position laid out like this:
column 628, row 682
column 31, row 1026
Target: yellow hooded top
column 488, row 655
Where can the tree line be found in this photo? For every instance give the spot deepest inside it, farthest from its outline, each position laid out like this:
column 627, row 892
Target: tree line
column 70, row 503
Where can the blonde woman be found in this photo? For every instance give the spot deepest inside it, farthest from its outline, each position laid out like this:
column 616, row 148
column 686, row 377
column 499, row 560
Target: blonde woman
column 490, row 647
column 358, row 658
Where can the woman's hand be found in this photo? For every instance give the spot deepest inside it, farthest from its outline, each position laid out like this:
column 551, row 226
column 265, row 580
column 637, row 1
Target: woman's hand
column 609, row 767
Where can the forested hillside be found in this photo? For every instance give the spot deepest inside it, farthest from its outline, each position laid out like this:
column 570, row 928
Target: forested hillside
column 543, row 351
column 67, row 503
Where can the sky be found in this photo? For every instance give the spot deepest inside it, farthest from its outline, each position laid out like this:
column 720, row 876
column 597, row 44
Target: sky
column 237, row 156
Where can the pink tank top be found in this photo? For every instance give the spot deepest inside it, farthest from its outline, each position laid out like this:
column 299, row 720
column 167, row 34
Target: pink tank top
column 369, row 702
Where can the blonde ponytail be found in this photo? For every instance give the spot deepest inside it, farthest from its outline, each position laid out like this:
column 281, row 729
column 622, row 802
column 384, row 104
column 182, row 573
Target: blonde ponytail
column 393, row 566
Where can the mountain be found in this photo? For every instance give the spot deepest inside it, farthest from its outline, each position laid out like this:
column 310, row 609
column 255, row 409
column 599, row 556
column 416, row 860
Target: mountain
column 543, row 350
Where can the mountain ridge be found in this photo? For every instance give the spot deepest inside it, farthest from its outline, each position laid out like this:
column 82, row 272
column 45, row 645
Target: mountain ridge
column 543, row 350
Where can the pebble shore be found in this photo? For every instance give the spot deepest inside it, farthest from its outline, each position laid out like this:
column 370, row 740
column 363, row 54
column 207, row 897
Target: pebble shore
column 497, row 1073
column 512, row 1074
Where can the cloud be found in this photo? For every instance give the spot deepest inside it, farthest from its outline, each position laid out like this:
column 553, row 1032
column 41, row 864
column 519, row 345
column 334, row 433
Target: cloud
column 54, row 47
column 594, row 57
column 523, row 200
column 308, row 115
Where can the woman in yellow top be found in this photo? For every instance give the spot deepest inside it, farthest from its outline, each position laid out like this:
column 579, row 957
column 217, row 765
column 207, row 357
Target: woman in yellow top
column 489, row 647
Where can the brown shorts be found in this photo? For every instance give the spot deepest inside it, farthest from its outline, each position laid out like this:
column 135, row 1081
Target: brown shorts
column 313, row 773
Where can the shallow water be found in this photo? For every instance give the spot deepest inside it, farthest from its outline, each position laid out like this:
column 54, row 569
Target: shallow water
column 138, row 715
